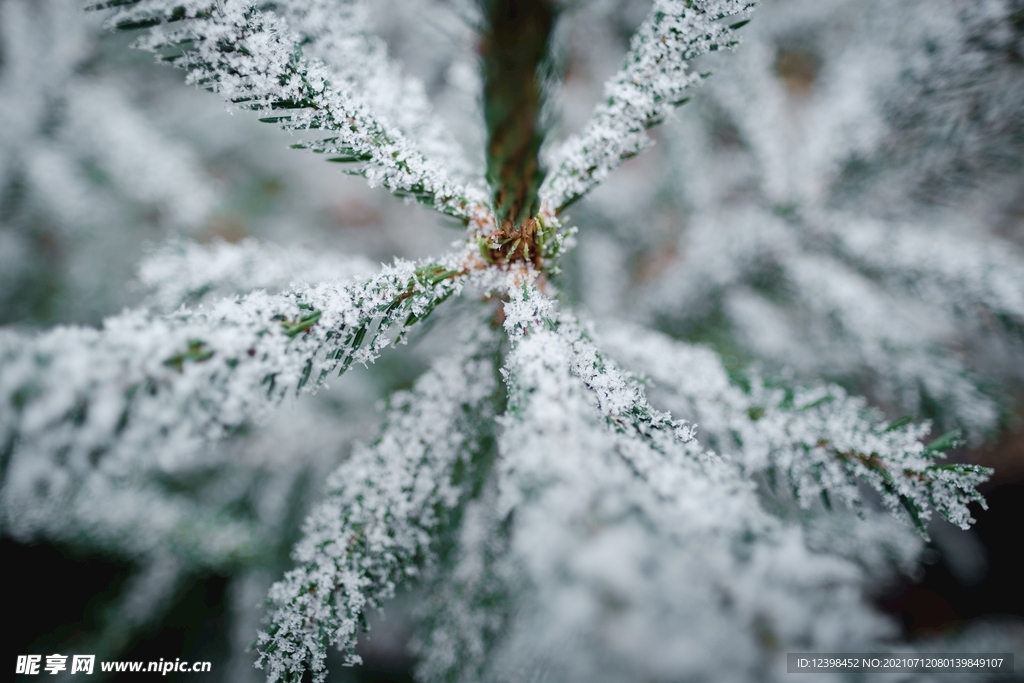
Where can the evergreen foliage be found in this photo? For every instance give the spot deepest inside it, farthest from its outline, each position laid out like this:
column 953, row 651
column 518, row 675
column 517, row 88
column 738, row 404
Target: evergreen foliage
column 573, row 501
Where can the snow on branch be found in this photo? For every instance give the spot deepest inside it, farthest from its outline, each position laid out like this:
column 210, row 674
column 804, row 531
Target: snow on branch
column 617, row 536
column 181, row 272
column 820, row 304
column 652, row 81
column 386, row 510
column 819, row 443
column 253, row 58
column 155, row 387
column 336, row 30
column 617, row 396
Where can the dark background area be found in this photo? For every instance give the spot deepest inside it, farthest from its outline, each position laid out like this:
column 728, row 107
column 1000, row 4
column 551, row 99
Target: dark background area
column 940, row 603
column 62, row 595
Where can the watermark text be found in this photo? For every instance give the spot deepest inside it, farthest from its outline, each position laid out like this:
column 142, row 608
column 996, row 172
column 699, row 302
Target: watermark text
column 34, row 665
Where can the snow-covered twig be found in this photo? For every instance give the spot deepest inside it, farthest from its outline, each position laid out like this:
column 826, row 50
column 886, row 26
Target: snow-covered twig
column 817, row 442
column 252, row 58
column 652, row 81
column 387, row 507
column 151, row 387
column 614, row 539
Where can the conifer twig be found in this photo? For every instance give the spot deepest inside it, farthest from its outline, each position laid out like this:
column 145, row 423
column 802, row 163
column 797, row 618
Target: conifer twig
column 388, row 506
column 148, row 386
column 252, row 58
column 652, row 81
column 817, row 443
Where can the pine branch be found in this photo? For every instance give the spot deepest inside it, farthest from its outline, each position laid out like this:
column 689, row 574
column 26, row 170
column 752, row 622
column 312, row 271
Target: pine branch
column 334, row 31
column 787, row 298
column 254, row 60
column 615, row 536
column 652, row 81
column 819, row 443
column 388, row 506
column 891, row 335
column 149, row 387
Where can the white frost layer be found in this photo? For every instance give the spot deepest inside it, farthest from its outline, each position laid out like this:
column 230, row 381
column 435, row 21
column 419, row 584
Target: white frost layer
column 253, row 58
column 652, row 81
column 186, row 273
column 387, row 506
column 634, row 557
